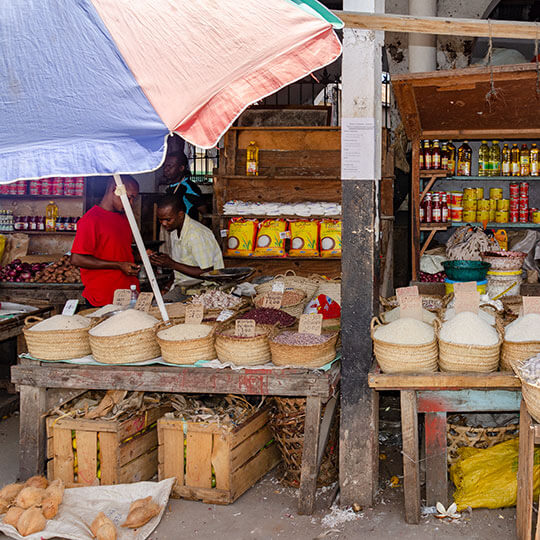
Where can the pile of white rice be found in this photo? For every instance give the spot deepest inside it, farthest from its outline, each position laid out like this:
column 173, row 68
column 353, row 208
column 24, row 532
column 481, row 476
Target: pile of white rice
column 525, row 328
column 131, row 320
column 468, row 328
column 394, row 315
column 484, row 315
column 61, row 322
column 184, row 332
column 405, row 331
column 104, row 310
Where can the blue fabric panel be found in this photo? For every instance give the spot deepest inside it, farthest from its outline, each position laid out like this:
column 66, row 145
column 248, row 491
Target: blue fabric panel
column 69, row 105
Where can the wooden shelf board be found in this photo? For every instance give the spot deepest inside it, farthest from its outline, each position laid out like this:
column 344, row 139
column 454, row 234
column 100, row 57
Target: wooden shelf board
column 228, row 257
column 434, row 226
column 266, row 216
column 494, row 178
column 267, row 177
column 492, row 225
column 428, row 173
column 41, row 197
column 50, row 233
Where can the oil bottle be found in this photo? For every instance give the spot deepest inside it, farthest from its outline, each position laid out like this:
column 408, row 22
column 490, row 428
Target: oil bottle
column 483, row 159
column 436, row 155
column 464, row 159
column 505, row 161
column 451, row 158
column 427, row 155
column 534, row 165
column 515, row 160
column 252, row 159
column 51, row 214
column 495, row 159
column 524, row 161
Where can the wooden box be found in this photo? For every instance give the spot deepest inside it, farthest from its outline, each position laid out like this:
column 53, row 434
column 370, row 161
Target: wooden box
column 84, row 452
column 212, row 463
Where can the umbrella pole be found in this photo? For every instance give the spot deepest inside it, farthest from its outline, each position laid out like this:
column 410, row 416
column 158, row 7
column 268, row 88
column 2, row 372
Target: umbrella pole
column 121, row 192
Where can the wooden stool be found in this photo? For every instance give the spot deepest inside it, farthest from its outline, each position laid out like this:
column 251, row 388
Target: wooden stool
column 529, row 435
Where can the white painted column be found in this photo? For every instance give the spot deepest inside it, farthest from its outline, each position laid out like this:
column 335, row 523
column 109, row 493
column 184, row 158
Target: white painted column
column 422, row 47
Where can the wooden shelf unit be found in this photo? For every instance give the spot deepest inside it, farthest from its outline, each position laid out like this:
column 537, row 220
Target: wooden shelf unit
column 453, row 105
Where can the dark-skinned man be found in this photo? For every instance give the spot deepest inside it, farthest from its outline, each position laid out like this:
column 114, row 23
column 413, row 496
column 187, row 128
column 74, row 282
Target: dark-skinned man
column 102, row 246
column 194, row 248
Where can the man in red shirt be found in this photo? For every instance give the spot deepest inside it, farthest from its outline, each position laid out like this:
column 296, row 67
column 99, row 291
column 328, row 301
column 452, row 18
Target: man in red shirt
column 102, row 247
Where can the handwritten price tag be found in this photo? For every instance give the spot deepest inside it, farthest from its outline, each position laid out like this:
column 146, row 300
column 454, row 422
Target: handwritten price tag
column 70, row 307
column 468, row 301
column 122, row 297
column 272, row 300
column 465, row 287
column 245, row 328
column 311, row 323
column 278, row 286
column 194, row 313
column 407, row 291
column 144, row 301
column 531, row 304
column 411, row 307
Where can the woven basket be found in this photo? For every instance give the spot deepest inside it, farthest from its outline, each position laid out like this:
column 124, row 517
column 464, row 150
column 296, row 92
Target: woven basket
column 126, row 348
column 244, row 351
column 431, row 302
column 310, row 356
column 287, row 422
column 294, row 308
column 291, row 281
column 394, row 358
column 514, row 352
column 186, row 351
column 481, row 437
column 328, row 287
column 56, row 344
column 531, row 395
column 86, row 312
column 174, row 310
column 476, row 358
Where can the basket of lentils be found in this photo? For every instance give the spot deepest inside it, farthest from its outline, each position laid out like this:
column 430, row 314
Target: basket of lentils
column 291, row 348
column 262, row 315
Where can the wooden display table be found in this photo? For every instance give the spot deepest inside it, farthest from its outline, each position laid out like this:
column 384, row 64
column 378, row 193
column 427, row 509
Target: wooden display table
column 44, row 385
column 435, row 395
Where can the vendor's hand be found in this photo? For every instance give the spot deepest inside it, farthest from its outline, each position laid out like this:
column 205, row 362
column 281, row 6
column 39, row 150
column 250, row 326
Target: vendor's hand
column 161, row 259
column 129, row 268
column 150, row 252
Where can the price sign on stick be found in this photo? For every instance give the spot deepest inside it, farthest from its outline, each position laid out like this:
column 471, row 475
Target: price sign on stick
column 531, row 304
column 122, row 297
column 311, row 323
column 278, row 286
column 245, row 328
column 410, row 306
column 194, row 313
column 465, row 287
column 144, row 301
column 272, row 300
column 70, row 307
column 407, row 291
column 468, row 301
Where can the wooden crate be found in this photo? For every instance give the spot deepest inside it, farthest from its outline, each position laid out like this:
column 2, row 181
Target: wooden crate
column 238, row 457
column 126, row 449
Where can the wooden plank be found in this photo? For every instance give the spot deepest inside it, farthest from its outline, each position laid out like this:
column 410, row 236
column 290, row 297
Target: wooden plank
column 290, row 138
column 415, row 209
column 525, row 476
column 436, row 459
column 450, row 26
column 243, row 432
column 142, row 468
column 326, row 424
column 86, row 456
column 411, row 477
column 250, row 447
column 58, row 396
column 108, row 447
column 310, row 469
column 302, row 267
column 199, row 459
column 141, row 421
column 207, row 495
column 171, row 451
column 86, row 424
column 427, row 242
column 63, row 454
column 31, row 430
column 137, row 446
column 221, row 461
column 468, row 400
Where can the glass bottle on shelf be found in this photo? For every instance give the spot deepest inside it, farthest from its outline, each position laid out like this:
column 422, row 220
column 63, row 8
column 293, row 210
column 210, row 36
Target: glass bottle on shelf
column 444, row 207
column 252, row 159
column 421, row 158
column 51, row 215
column 505, row 161
column 451, row 158
column 494, row 168
column 428, row 208
column 534, row 159
column 436, row 155
column 515, row 160
column 444, row 157
column 483, row 159
column 464, row 159
column 524, row 161
column 427, row 155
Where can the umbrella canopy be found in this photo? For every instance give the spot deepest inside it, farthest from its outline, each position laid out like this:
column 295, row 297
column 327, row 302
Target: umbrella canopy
column 92, row 87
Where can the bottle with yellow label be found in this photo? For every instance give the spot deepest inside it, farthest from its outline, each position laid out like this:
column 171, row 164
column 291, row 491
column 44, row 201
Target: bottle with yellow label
column 534, row 160
column 494, row 168
column 483, row 159
column 464, row 160
column 451, row 158
column 252, row 159
column 505, row 161
column 51, row 214
column 524, row 163
column 514, row 160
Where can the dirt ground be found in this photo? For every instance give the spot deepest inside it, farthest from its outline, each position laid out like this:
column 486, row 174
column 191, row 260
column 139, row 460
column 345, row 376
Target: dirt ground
column 268, row 510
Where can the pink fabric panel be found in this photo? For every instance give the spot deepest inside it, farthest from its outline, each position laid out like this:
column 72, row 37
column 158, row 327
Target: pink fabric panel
column 200, row 63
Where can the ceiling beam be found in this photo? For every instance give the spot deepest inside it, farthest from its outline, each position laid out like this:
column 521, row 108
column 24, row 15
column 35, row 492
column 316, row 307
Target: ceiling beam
column 440, row 25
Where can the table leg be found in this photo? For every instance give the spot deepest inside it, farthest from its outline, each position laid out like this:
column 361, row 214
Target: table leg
column 31, row 431
column 308, row 477
column 525, row 475
column 436, row 459
column 411, row 472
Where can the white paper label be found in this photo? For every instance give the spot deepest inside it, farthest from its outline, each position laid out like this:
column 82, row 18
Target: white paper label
column 284, row 234
column 278, row 286
column 224, row 233
column 357, row 142
column 70, row 307
column 224, row 315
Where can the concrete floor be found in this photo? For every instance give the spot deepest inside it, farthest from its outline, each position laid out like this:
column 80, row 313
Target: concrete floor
column 268, row 511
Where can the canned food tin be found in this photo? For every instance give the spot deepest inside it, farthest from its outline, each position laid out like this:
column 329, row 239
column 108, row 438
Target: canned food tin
column 469, row 193
column 456, row 197
column 501, row 216
column 514, row 204
column 513, row 216
column 34, row 187
column 46, row 186
column 514, row 190
column 495, row 193
column 470, row 204
column 483, row 204
column 456, row 213
column 531, row 213
column 4, row 189
column 523, row 216
column 469, row 215
column 493, row 204
column 479, row 192
column 536, row 217
column 79, row 186
column 21, row 187
column 492, row 214
column 482, row 215
column 523, row 189
column 523, row 204
column 503, row 204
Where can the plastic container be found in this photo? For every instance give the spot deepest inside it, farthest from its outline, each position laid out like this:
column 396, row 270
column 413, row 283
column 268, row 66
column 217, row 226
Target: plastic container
column 466, row 270
column 481, row 286
column 504, row 283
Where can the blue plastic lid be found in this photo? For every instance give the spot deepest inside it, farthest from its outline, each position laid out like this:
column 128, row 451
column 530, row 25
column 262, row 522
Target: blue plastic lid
column 451, row 281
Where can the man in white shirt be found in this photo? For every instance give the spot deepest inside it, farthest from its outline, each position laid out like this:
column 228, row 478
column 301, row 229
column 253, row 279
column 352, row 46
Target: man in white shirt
column 194, row 248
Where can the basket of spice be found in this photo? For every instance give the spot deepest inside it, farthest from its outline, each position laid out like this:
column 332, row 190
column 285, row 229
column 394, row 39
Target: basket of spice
column 214, row 301
column 60, row 337
column 186, row 343
column 244, row 351
column 521, row 341
column 404, row 346
column 291, row 281
column 291, row 348
column 293, row 301
column 125, row 338
column 270, row 316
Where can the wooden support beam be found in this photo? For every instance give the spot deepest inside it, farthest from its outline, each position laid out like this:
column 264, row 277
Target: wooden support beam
column 449, row 26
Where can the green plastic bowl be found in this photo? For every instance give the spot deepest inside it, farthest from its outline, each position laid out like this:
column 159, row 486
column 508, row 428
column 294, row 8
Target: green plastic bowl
column 466, row 270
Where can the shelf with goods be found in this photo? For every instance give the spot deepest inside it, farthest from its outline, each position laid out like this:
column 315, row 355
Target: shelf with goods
column 452, row 105
column 296, row 165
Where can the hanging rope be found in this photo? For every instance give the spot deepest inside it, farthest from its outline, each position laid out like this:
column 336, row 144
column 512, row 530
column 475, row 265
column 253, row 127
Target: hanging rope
column 493, row 92
column 537, row 60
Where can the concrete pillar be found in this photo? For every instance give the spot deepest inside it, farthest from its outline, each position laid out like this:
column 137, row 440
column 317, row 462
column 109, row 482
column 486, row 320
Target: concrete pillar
column 422, row 47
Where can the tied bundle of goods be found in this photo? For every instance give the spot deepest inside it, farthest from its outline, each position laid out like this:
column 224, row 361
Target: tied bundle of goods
column 241, row 237
column 270, row 316
column 186, row 343
column 395, row 314
column 404, row 346
column 330, row 235
column 528, row 371
column 521, row 341
column 271, row 238
column 244, row 351
column 293, row 301
column 304, row 238
column 61, row 271
column 468, row 343
column 304, row 350
column 125, row 338
column 60, row 337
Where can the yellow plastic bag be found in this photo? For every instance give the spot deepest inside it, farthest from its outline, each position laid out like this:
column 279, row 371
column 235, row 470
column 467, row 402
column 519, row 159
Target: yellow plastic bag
column 2, row 245
column 241, row 237
column 271, row 238
column 304, row 238
column 330, row 234
column 488, row 478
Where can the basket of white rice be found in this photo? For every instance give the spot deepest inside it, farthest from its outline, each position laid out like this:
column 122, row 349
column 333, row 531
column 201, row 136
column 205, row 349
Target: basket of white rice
column 395, row 314
column 529, row 374
column 468, row 343
column 186, row 343
column 521, row 341
column 61, row 337
column 404, row 346
column 125, row 338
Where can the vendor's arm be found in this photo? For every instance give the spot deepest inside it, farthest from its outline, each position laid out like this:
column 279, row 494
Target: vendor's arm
column 93, row 263
column 160, row 259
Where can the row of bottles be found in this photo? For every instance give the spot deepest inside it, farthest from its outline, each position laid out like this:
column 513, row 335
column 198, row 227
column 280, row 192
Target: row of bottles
column 434, row 156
